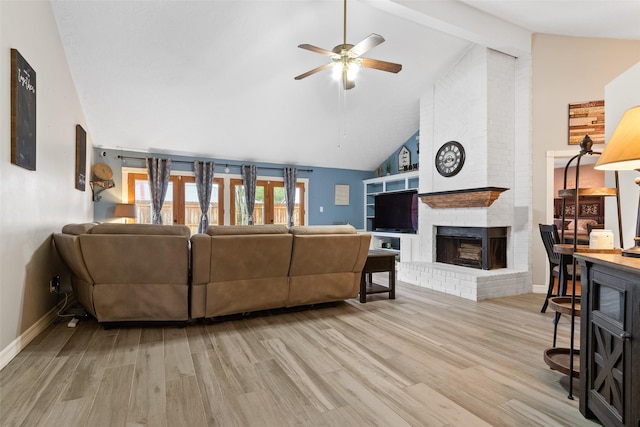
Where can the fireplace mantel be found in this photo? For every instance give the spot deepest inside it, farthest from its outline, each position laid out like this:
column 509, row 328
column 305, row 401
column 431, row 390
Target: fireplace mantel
column 468, row 198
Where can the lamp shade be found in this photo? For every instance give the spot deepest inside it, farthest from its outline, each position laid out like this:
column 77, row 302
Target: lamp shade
column 622, row 152
column 124, row 210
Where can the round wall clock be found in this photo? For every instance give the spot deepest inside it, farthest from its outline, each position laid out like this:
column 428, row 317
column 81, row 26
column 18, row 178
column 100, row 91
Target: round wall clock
column 450, row 158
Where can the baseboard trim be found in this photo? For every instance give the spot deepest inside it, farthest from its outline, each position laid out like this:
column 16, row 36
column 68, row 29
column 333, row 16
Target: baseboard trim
column 539, row 289
column 16, row 346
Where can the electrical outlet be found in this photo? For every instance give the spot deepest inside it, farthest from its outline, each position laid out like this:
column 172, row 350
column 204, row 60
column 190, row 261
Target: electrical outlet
column 54, row 284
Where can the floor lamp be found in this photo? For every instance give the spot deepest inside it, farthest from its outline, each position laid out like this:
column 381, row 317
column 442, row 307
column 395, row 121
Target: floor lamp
column 622, row 152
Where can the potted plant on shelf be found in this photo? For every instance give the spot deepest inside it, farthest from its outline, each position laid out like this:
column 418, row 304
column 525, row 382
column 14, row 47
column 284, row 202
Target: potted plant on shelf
column 387, row 167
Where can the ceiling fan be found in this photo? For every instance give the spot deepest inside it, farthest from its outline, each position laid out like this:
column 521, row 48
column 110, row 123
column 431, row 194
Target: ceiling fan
column 346, row 59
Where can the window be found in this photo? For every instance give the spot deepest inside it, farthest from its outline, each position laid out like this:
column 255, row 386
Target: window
column 181, row 202
column 270, row 206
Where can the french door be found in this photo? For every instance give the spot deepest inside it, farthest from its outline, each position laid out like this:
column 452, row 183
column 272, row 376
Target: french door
column 270, row 205
column 180, row 205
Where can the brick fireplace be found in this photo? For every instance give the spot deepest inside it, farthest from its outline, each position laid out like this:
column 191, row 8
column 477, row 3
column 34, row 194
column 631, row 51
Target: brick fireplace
column 476, row 104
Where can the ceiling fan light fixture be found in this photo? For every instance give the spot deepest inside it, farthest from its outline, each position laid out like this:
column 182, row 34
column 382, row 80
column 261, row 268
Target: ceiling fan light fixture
column 336, row 70
column 350, row 66
column 352, row 70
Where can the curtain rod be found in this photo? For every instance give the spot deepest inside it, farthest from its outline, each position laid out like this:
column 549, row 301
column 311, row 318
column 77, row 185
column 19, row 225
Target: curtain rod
column 226, row 164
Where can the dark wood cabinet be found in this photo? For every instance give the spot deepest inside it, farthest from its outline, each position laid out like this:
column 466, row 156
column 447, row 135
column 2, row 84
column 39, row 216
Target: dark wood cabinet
column 610, row 339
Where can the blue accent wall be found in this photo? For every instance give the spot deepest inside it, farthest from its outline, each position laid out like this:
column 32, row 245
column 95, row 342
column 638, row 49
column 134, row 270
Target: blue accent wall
column 413, row 145
column 321, row 189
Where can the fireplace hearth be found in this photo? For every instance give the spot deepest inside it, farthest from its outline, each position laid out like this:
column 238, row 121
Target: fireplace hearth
column 476, row 247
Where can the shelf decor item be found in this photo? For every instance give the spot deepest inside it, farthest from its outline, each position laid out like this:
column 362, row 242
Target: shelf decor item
column 622, row 152
column 404, row 158
column 23, row 112
column 103, row 180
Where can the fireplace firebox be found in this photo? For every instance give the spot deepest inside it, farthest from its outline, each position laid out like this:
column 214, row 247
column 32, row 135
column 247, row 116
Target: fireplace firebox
column 476, row 247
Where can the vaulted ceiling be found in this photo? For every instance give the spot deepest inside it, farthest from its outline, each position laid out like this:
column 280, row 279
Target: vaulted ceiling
column 214, row 78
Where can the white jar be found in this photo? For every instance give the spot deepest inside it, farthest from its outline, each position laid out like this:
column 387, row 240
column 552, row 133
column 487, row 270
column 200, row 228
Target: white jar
column 601, row 239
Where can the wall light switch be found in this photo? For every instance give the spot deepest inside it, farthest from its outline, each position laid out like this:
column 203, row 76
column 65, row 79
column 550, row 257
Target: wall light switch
column 321, row 209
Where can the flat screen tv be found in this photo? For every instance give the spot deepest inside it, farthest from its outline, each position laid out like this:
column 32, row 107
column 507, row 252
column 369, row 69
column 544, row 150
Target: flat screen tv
column 396, row 212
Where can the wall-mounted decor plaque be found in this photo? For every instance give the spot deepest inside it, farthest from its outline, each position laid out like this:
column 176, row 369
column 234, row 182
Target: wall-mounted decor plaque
column 23, row 112
column 586, row 118
column 342, row 195
column 81, row 158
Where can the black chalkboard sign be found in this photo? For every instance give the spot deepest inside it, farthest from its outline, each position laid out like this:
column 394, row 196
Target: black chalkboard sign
column 81, row 158
column 23, row 112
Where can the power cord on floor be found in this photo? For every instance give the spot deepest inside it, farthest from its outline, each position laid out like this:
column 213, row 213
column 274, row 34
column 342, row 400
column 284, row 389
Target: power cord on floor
column 64, row 306
column 67, row 311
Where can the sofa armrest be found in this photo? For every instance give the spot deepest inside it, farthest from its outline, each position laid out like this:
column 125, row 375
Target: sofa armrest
column 365, row 242
column 68, row 247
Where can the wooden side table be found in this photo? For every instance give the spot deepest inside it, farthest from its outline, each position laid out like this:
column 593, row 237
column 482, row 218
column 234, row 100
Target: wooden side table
column 378, row 262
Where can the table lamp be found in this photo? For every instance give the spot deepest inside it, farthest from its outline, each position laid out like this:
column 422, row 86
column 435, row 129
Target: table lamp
column 125, row 210
column 622, row 152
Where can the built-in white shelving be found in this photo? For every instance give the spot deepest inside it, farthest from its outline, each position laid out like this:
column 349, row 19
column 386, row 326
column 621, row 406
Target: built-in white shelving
column 386, row 184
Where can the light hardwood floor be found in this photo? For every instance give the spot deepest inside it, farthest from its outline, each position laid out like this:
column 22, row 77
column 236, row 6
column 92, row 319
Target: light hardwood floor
column 423, row 359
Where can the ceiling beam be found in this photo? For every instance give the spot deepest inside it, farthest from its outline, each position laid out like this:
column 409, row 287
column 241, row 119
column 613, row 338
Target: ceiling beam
column 463, row 21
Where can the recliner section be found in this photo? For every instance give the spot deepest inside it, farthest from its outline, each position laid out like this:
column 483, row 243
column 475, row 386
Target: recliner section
column 128, row 272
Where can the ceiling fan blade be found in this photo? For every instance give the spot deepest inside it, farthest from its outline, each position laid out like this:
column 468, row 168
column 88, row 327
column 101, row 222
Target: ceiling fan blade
column 316, row 49
column 381, row 65
column 367, row 44
column 315, row 70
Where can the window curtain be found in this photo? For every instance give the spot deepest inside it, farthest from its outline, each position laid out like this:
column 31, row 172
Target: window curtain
column 290, row 178
column 249, row 175
column 204, row 186
column 158, row 171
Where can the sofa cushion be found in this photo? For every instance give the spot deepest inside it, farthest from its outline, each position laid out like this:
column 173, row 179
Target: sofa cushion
column 247, row 272
column 322, row 229
column 330, row 253
column 249, row 257
column 231, row 230
column 146, row 229
column 136, row 258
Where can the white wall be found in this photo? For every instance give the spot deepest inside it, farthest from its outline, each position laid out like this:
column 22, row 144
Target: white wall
column 565, row 70
column 34, row 204
column 620, row 95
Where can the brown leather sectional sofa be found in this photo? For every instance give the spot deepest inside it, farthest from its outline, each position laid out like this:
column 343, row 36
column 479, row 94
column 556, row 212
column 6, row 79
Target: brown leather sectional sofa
column 143, row 272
